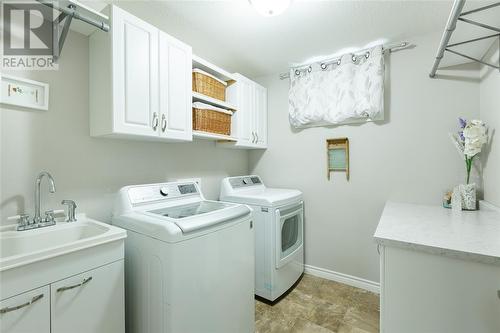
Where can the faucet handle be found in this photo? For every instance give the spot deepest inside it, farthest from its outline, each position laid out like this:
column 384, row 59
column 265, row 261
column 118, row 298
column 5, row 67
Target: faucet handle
column 24, row 219
column 50, row 215
column 71, row 210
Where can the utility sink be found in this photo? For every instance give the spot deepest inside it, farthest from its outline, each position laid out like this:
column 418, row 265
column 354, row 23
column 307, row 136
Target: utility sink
column 19, row 248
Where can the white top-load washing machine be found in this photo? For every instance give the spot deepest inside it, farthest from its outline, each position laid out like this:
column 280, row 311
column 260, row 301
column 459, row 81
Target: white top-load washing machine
column 279, row 232
column 189, row 262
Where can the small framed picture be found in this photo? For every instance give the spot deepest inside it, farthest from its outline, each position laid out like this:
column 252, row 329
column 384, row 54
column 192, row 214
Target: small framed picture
column 24, row 93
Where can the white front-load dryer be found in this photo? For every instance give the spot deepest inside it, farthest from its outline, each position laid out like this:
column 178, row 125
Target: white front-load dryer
column 279, row 232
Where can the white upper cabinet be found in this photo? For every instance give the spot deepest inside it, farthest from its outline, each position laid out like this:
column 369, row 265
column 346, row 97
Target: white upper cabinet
column 250, row 123
column 260, row 116
column 175, row 89
column 135, row 74
column 140, row 82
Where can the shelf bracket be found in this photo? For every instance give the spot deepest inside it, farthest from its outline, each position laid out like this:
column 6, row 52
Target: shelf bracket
column 67, row 13
column 59, row 39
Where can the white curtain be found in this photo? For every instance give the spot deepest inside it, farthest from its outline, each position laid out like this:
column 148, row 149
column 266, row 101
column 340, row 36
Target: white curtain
column 353, row 89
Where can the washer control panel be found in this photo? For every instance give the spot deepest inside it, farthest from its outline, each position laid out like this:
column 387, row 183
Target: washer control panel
column 150, row 193
column 245, row 181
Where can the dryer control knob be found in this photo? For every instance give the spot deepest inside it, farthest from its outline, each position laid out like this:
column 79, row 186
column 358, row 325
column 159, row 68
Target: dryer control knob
column 164, row 191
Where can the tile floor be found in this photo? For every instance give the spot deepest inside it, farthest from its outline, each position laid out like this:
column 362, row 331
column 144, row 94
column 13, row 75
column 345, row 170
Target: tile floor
column 317, row 305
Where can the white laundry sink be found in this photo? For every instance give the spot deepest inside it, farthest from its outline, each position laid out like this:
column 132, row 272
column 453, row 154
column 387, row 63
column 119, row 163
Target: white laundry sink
column 19, row 248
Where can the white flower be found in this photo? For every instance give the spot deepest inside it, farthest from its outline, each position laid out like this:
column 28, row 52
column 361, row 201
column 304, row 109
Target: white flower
column 475, row 136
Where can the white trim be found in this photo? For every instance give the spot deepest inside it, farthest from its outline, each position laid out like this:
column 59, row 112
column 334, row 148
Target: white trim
column 488, row 205
column 343, row 278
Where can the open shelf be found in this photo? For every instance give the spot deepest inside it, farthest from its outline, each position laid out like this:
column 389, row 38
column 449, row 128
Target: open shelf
column 197, row 97
column 212, row 69
column 212, row 136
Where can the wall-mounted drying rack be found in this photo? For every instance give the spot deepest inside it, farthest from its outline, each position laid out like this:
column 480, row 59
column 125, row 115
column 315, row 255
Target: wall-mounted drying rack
column 456, row 15
column 70, row 9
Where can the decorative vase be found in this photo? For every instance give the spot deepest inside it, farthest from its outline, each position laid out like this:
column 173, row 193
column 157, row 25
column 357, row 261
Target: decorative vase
column 468, row 194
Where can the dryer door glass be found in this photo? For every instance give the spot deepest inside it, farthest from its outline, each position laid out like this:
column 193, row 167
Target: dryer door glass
column 289, row 233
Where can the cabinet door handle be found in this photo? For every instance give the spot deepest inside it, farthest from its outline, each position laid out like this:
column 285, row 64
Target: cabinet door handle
column 163, row 122
column 256, row 137
column 17, row 307
column 86, row 280
column 253, row 137
column 155, row 121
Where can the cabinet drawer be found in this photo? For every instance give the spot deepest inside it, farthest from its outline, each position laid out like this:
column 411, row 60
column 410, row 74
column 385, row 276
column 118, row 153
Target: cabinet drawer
column 26, row 313
column 89, row 302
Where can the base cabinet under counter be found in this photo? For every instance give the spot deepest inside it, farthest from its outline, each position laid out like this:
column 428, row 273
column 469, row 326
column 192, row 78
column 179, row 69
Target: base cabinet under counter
column 92, row 301
column 28, row 312
column 89, row 302
column 431, row 293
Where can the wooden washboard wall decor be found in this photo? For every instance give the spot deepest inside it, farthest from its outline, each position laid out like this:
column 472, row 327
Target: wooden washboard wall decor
column 337, row 153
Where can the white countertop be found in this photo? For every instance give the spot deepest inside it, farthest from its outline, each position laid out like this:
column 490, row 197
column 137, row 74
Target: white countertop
column 466, row 235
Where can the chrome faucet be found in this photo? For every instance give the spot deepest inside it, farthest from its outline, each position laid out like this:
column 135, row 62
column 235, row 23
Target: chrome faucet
column 52, row 188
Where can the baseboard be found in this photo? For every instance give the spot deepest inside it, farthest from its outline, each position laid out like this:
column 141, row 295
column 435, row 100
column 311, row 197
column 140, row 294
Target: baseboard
column 343, row 278
column 488, row 205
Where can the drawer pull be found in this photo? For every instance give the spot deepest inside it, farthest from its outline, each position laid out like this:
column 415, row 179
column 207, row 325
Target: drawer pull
column 86, row 280
column 17, row 307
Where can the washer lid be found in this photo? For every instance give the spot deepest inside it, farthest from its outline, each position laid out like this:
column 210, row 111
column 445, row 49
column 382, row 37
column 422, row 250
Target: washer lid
column 264, row 196
column 202, row 214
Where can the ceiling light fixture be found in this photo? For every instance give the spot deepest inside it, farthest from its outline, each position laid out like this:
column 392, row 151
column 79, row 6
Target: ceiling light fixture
column 270, row 7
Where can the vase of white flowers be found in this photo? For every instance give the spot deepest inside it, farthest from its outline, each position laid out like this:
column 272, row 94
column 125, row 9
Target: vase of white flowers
column 469, row 141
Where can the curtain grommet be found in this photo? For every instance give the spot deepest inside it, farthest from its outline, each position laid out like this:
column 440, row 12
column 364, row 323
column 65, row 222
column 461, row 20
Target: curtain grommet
column 354, row 58
column 367, row 54
column 323, row 66
column 297, row 72
column 339, row 62
column 309, row 69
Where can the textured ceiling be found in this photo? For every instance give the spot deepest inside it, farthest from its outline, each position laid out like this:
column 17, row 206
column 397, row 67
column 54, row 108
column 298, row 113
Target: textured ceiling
column 232, row 34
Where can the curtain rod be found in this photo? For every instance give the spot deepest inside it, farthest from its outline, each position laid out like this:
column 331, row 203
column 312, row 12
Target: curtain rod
column 388, row 47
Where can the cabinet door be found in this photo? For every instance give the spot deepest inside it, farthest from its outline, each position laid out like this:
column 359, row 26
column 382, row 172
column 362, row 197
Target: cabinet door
column 135, row 75
column 246, row 117
column 175, row 89
column 90, row 302
column 27, row 312
column 452, row 295
column 261, row 115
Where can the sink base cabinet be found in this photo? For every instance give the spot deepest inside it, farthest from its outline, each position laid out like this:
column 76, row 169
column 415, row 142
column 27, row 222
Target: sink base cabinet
column 89, row 302
column 423, row 292
column 28, row 312
column 81, row 291
column 92, row 301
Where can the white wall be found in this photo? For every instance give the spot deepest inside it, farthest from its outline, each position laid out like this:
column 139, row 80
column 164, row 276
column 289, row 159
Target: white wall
column 489, row 92
column 409, row 157
column 90, row 170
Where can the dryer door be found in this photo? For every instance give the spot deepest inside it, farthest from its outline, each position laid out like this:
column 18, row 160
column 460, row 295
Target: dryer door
column 289, row 233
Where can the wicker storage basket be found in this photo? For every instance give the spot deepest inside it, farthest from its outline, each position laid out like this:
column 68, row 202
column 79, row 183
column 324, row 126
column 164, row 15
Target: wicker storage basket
column 211, row 119
column 208, row 85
